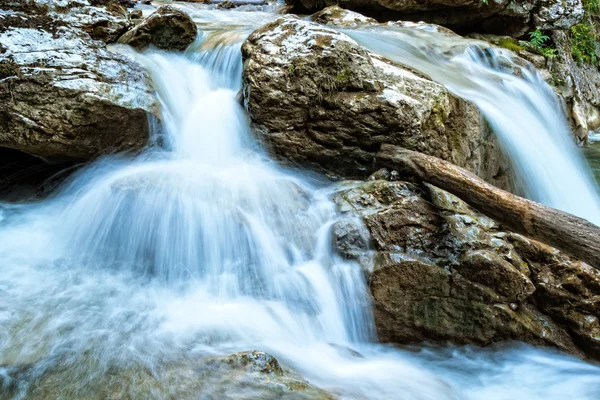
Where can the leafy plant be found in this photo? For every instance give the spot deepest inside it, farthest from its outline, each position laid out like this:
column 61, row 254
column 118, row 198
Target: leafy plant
column 583, row 44
column 538, row 40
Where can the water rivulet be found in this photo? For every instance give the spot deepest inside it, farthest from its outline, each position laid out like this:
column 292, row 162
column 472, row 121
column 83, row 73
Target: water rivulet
column 203, row 246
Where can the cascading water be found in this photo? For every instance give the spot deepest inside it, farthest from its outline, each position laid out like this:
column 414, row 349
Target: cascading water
column 521, row 108
column 208, row 247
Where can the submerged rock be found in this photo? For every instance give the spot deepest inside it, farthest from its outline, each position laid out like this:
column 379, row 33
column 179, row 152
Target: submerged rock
column 514, row 17
column 320, row 100
column 246, row 375
column 444, row 273
column 167, row 28
column 63, row 95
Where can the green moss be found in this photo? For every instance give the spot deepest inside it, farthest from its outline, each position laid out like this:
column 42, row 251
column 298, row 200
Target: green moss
column 510, row 44
column 583, row 44
column 292, row 69
column 343, row 76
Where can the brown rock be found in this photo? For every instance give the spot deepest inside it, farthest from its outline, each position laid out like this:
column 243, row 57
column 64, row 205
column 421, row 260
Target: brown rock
column 167, row 28
column 320, row 100
column 443, row 273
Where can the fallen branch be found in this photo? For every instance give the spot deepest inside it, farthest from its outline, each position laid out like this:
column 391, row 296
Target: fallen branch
column 575, row 236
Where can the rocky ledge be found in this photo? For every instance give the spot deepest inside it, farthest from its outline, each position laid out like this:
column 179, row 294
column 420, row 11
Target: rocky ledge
column 441, row 272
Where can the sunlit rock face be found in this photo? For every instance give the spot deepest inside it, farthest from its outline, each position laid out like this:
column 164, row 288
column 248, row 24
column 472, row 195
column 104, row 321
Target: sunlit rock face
column 501, row 17
column 63, row 95
column 441, row 272
column 320, row 100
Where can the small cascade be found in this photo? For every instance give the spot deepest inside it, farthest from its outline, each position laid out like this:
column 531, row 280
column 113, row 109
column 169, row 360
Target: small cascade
column 520, row 107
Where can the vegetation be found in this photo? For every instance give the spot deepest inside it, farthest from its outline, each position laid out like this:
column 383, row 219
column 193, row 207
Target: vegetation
column 510, row 44
column 343, row 76
column 591, row 6
column 584, row 43
column 541, row 43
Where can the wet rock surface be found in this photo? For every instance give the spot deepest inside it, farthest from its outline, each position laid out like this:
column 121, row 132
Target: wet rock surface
column 63, row 95
column 443, row 273
column 167, row 29
column 319, row 100
column 245, row 375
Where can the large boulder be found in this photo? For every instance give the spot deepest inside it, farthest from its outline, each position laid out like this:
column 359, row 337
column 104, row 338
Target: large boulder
column 320, row 100
column 440, row 272
column 63, row 95
column 514, row 17
column 167, row 28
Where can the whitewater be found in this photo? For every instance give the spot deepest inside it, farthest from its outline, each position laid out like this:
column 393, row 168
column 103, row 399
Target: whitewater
column 204, row 246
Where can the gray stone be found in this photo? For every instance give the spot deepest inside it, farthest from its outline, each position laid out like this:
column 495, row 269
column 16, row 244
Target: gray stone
column 63, row 95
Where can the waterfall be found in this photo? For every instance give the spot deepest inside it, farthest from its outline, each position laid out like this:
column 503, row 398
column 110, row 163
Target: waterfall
column 520, row 107
column 205, row 246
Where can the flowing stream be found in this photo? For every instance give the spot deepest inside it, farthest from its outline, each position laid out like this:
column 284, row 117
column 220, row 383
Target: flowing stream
column 520, row 107
column 204, row 246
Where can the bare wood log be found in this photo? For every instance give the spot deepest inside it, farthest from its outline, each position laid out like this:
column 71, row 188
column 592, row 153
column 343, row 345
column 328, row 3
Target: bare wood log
column 575, row 236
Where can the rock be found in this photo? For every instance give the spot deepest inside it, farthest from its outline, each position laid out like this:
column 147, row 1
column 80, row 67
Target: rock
column 318, row 99
column 62, row 94
column 443, row 273
column 102, row 20
column 351, row 237
column 509, row 17
column 246, row 375
column 101, row 23
column 136, row 14
column 226, row 5
column 167, row 28
column 337, row 16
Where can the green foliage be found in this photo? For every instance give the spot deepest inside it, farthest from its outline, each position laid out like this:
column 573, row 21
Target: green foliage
column 510, row 44
column 537, row 38
column 583, row 44
column 548, row 52
column 538, row 42
column 591, row 6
